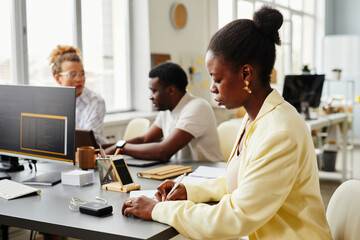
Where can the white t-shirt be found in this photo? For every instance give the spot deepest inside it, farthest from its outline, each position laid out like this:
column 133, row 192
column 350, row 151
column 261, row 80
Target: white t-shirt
column 195, row 116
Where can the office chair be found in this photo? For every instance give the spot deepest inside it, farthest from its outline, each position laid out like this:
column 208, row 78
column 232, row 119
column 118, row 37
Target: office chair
column 136, row 128
column 227, row 132
column 343, row 211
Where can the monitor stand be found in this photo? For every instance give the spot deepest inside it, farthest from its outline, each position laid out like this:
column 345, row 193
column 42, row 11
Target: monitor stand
column 10, row 164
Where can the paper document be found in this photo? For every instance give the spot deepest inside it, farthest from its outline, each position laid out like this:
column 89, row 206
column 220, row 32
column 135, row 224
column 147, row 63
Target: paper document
column 208, row 172
column 146, row 193
column 190, row 179
column 202, row 173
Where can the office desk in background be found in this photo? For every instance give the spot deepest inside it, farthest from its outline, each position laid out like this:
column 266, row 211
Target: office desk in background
column 332, row 120
column 50, row 213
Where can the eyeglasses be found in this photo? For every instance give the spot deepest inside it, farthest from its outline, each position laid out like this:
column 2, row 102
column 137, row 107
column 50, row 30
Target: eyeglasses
column 73, row 75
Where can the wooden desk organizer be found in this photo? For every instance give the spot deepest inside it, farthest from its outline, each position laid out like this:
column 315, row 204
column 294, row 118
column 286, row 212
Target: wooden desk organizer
column 109, row 175
column 118, row 187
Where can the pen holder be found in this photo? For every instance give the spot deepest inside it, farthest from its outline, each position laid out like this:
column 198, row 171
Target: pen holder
column 106, row 173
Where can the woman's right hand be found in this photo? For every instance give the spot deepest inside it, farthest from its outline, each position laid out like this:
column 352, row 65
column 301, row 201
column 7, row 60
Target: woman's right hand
column 164, row 188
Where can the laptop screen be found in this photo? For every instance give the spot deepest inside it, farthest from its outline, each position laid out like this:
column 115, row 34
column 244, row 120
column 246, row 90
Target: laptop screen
column 85, row 138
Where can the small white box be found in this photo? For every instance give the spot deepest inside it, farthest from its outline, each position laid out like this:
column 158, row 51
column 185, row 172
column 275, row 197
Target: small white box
column 77, row 177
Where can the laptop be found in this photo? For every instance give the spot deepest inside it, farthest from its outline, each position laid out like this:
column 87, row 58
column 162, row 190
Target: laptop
column 85, row 138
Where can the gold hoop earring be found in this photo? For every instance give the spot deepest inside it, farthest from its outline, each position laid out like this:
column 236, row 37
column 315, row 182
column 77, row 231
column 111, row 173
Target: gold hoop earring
column 246, row 88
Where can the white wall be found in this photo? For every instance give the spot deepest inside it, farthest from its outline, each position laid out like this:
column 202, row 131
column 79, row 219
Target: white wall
column 342, row 17
column 346, row 13
column 186, row 46
column 193, row 38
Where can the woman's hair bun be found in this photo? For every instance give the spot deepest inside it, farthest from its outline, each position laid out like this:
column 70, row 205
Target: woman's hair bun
column 269, row 20
column 61, row 50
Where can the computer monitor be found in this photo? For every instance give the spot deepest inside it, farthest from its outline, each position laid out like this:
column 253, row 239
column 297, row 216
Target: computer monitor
column 36, row 123
column 303, row 91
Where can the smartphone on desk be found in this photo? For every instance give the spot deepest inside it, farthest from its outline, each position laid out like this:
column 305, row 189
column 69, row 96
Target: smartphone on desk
column 122, row 171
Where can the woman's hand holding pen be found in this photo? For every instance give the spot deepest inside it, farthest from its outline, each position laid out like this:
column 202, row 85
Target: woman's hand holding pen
column 164, row 188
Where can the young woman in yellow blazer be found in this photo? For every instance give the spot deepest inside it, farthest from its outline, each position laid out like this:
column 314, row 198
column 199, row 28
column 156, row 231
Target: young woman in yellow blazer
column 271, row 189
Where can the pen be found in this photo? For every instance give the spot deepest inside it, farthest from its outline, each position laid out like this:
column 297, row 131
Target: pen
column 177, row 184
column 117, row 151
column 102, row 152
column 102, row 164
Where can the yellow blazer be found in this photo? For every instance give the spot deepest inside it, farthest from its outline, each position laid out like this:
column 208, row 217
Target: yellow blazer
column 278, row 194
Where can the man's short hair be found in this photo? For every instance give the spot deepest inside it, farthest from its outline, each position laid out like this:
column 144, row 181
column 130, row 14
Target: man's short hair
column 170, row 74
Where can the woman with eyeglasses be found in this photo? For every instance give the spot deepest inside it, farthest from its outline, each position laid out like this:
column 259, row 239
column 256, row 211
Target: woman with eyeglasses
column 68, row 70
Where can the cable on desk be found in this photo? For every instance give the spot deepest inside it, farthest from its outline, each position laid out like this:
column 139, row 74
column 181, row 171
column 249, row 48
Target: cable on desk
column 101, row 199
column 32, row 164
column 76, row 202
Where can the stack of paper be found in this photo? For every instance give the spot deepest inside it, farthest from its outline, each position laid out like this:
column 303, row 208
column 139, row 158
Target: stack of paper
column 77, row 177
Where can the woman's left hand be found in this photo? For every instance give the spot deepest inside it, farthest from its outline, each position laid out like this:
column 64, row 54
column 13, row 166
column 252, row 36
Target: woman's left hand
column 141, row 207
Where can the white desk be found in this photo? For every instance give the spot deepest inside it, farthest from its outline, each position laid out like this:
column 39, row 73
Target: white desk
column 327, row 121
column 49, row 211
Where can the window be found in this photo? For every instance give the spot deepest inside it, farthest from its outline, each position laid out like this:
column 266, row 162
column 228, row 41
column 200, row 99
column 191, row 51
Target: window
column 102, row 29
column 49, row 23
column 298, row 32
column 5, row 42
column 104, row 23
column 296, row 43
column 223, row 12
column 245, row 9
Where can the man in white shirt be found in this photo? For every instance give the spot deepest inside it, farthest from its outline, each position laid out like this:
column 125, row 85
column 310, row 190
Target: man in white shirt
column 185, row 128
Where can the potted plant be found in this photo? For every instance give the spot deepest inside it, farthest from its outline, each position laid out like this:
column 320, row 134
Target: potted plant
column 336, row 73
column 305, row 70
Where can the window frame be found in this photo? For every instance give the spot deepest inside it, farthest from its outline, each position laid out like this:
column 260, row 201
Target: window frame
column 316, row 53
column 19, row 48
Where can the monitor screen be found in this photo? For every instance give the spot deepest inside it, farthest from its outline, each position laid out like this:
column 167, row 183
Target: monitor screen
column 37, row 123
column 303, row 91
